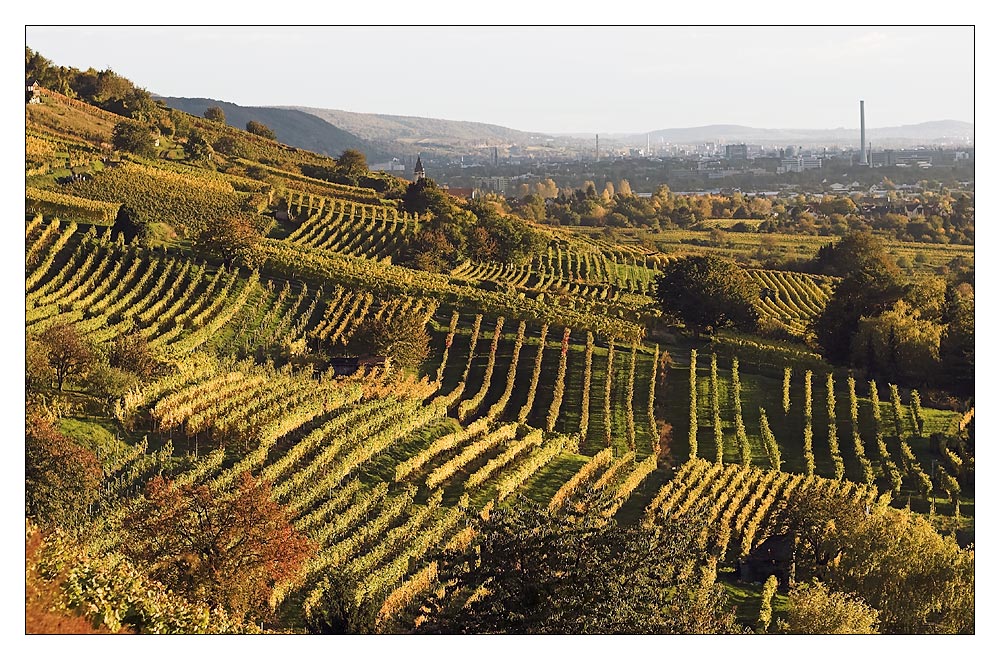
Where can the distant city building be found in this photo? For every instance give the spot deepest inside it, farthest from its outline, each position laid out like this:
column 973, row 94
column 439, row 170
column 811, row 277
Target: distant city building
column 394, row 165
column 800, row 164
column 737, row 152
column 497, row 184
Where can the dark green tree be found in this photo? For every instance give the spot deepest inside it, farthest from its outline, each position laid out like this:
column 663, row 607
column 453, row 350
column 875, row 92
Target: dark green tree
column 709, row 292
column 263, row 130
column 352, row 165
column 894, row 560
column 899, row 345
column 181, row 121
column 871, row 284
column 958, row 347
column 132, row 224
column 531, row 207
column 133, row 137
column 341, row 610
column 534, row 573
column 229, row 145
column 215, row 113
column 859, row 250
column 424, row 195
column 197, row 147
column 501, row 237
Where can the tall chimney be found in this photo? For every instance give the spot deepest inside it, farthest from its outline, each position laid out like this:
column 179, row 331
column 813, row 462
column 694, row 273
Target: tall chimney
column 864, row 145
column 597, row 146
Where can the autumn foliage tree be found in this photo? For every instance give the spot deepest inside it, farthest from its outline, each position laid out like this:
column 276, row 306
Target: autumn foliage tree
column 130, row 352
column 224, row 549
column 61, row 477
column 44, row 613
column 233, row 239
column 69, row 353
column 813, row 609
column 403, row 339
column 38, row 373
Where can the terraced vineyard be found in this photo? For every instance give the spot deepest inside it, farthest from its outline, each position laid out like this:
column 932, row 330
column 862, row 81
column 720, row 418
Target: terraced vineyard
column 106, row 289
column 792, row 299
column 347, row 227
column 736, row 503
column 379, row 478
column 833, row 428
column 555, row 381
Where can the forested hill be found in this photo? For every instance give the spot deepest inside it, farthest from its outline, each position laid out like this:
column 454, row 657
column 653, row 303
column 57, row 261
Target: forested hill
column 406, row 129
column 292, row 127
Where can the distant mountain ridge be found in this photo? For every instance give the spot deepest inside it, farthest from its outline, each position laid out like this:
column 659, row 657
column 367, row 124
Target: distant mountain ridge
column 292, row 127
column 382, row 136
column 926, row 131
column 413, row 129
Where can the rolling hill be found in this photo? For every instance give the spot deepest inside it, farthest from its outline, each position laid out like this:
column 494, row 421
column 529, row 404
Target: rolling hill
column 292, row 127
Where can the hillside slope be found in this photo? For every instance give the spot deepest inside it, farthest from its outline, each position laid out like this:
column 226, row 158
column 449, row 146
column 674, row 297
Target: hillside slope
column 292, row 127
column 400, row 127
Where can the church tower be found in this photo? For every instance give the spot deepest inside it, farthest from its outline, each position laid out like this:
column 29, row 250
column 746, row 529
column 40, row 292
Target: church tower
column 418, row 170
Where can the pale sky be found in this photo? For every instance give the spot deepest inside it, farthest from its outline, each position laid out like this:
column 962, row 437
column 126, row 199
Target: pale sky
column 552, row 79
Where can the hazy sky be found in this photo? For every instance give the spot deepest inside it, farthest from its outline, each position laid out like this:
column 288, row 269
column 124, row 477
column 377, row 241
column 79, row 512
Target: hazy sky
column 551, row 79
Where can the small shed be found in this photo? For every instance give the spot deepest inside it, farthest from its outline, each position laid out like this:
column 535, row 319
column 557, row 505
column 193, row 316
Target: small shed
column 32, row 92
column 346, row 366
column 775, row 556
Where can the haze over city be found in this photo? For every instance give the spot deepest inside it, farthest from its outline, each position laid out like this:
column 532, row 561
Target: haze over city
column 552, row 79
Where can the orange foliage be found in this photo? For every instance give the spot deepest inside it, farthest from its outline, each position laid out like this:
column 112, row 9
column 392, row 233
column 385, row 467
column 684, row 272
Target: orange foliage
column 43, row 613
column 226, row 549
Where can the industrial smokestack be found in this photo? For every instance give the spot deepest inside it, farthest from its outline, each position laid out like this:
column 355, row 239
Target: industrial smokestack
column 597, row 146
column 864, row 157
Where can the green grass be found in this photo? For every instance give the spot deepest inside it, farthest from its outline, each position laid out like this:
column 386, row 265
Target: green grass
column 99, row 435
column 383, row 467
column 745, row 598
column 759, row 391
column 543, row 484
column 635, row 507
